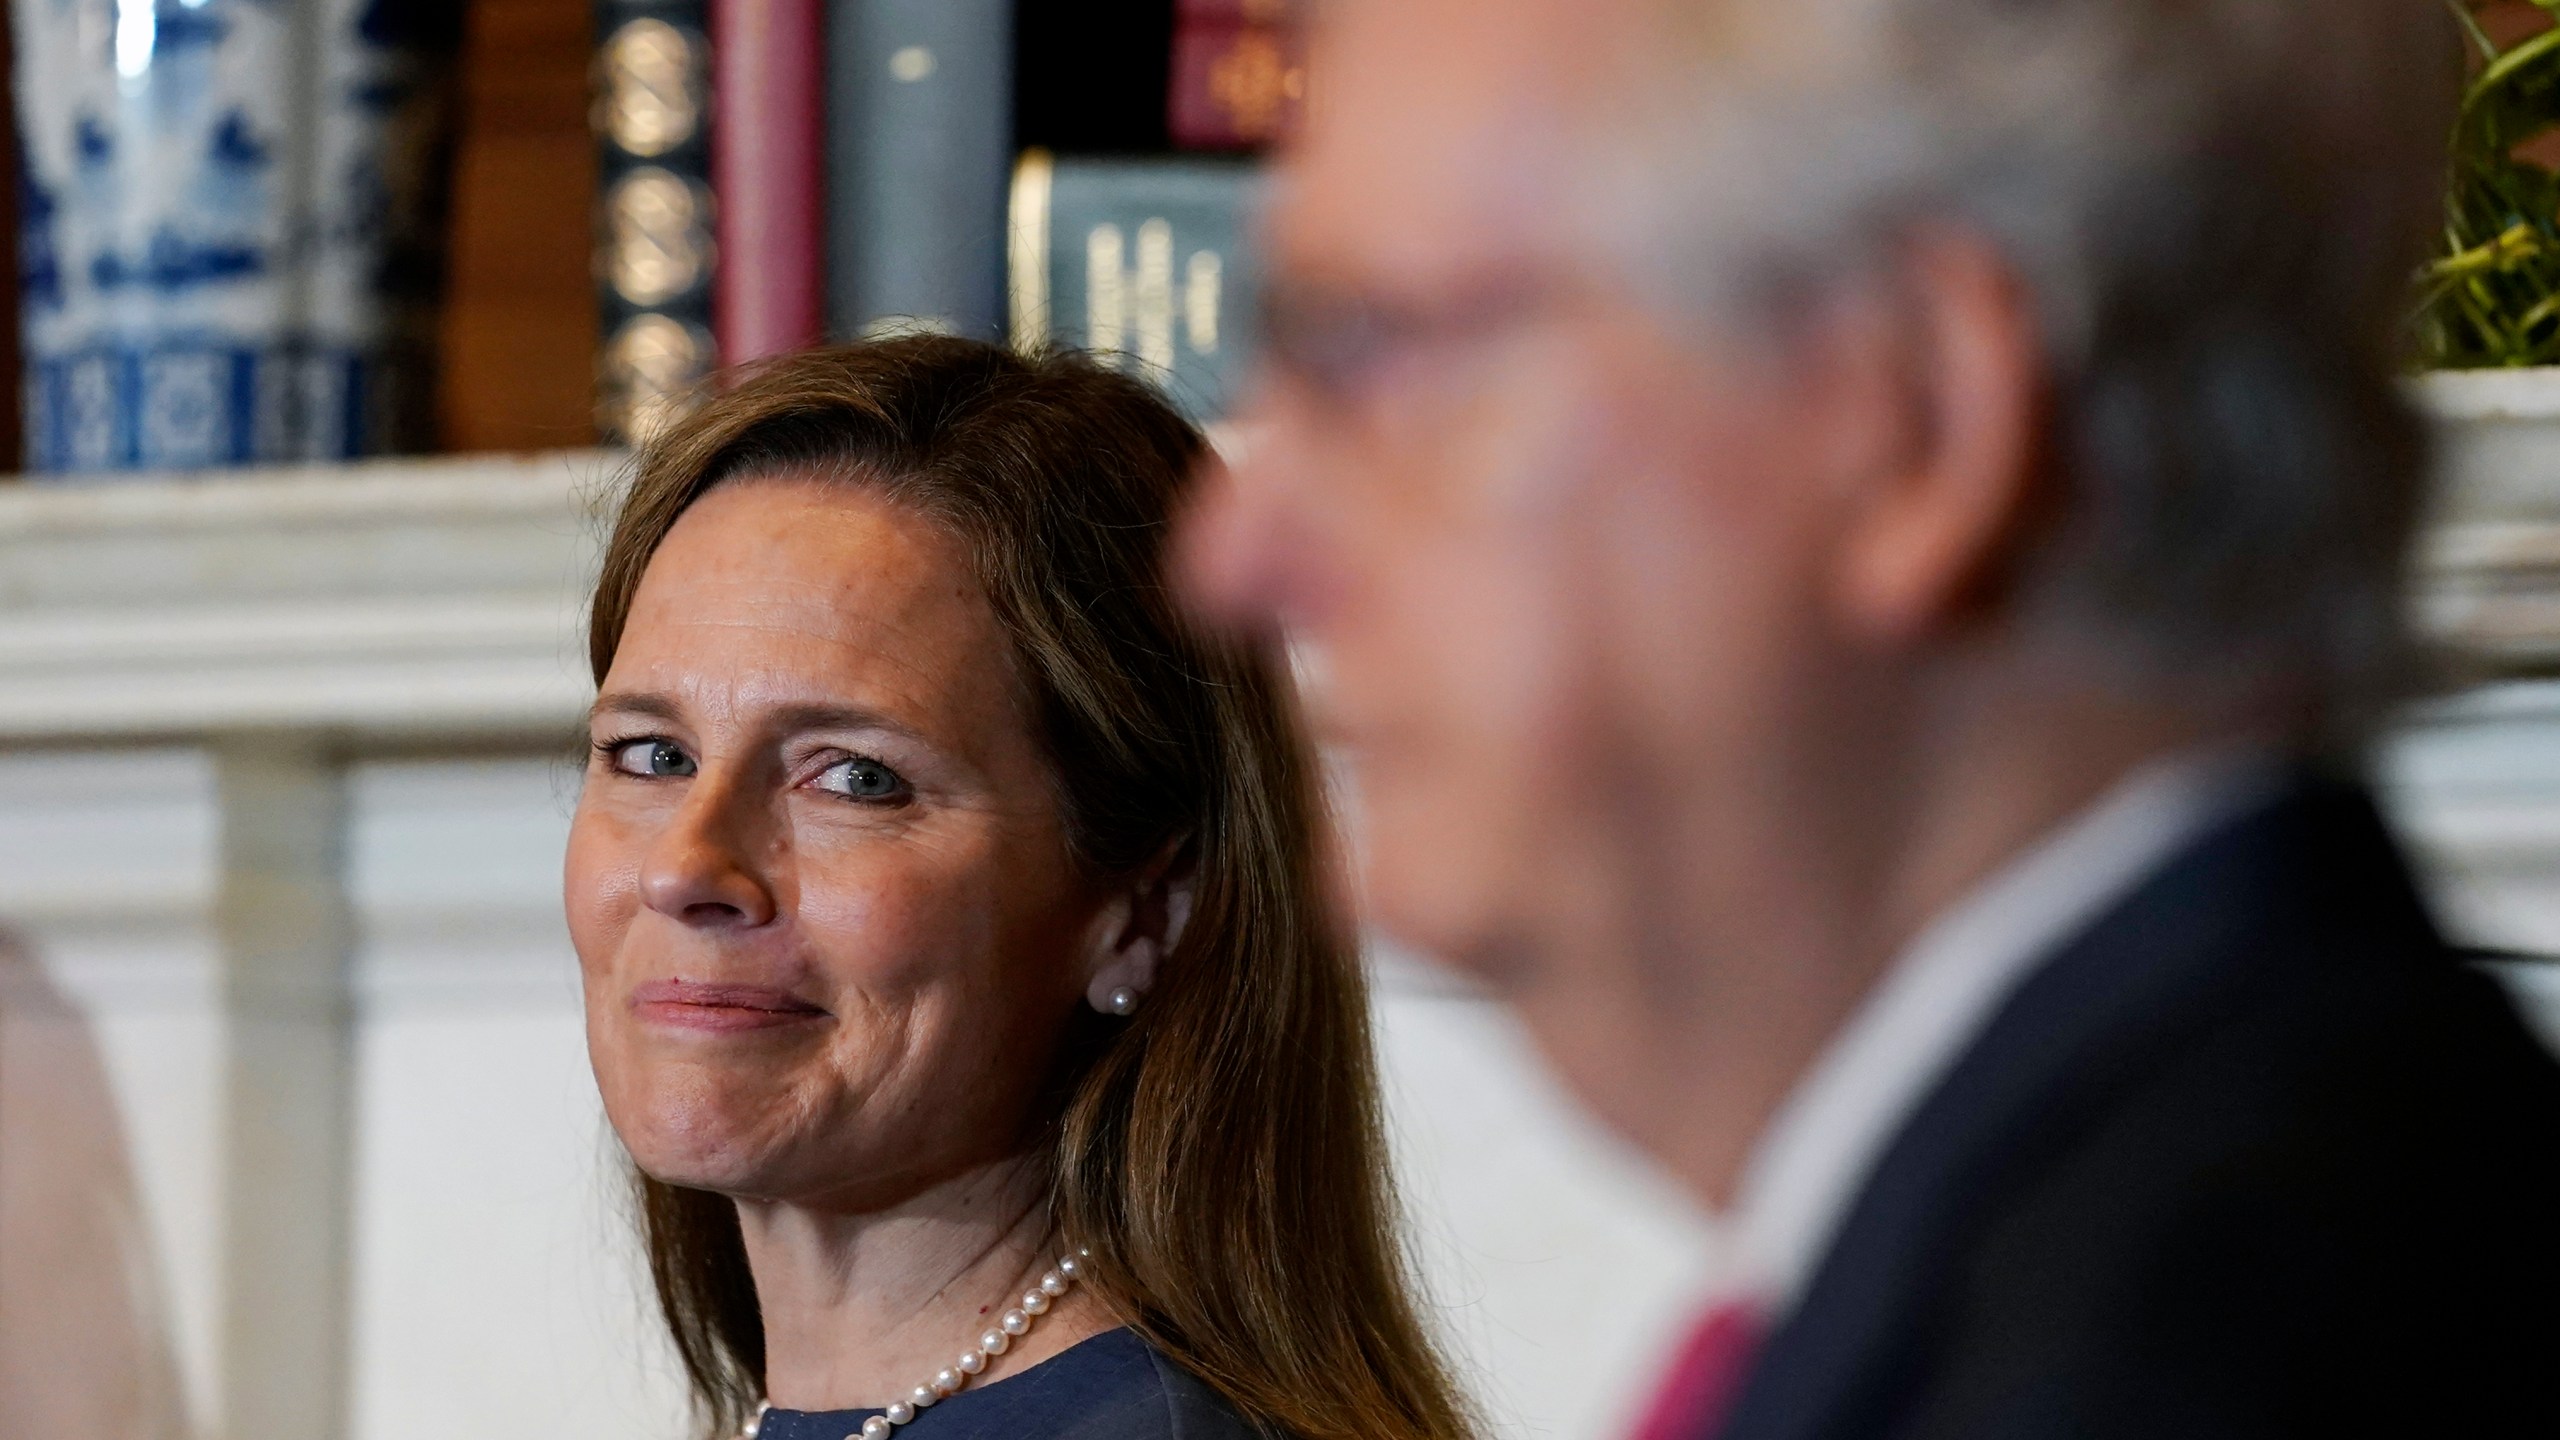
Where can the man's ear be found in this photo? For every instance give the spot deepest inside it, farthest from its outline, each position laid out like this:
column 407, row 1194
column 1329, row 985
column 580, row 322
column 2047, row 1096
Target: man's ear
column 1139, row 927
column 1935, row 527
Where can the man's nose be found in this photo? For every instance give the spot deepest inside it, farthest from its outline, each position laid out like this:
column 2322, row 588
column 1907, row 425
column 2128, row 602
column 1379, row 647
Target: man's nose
column 1246, row 553
column 708, row 867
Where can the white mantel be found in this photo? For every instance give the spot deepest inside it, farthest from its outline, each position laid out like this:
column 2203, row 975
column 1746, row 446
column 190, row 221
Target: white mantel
column 2492, row 558
column 279, row 761
column 399, row 600
column 430, row 600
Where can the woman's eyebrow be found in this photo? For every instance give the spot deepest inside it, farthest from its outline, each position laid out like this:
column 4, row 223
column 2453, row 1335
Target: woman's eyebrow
column 652, row 706
column 787, row 719
column 820, row 715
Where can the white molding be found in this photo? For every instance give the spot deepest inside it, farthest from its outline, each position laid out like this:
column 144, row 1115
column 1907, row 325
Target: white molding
column 2490, row 565
column 398, row 599
column 2474, row 783
column 440, row 600
column 2490, row 593
column 2529, row 393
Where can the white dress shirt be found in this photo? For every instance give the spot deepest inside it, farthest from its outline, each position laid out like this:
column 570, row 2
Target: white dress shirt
column 1938, row 995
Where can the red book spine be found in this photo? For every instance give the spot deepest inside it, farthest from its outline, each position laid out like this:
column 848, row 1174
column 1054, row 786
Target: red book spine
column 768, row 159
column 1237, row 84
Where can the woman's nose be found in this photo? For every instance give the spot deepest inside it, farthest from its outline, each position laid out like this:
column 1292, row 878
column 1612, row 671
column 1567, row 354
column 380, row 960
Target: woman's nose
column 705, row 867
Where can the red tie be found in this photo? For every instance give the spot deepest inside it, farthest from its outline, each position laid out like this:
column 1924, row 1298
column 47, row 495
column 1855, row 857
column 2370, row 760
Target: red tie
column 1706, row 1377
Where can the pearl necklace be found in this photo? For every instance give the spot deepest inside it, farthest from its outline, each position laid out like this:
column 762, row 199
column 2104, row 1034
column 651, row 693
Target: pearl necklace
column 1009, row 1327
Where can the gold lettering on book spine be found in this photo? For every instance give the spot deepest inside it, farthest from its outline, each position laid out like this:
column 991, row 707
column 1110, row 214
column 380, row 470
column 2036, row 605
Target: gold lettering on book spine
column 1155, row 295
column 1203, row 290
column 1106, row 291
column 650, row 88
column 658, row 244
column 1254, row 82
column 652, row 370
column 1027, row 250
column 1129, row 309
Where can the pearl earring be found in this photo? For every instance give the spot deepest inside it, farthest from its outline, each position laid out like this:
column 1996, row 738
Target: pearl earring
column 1121, row 1001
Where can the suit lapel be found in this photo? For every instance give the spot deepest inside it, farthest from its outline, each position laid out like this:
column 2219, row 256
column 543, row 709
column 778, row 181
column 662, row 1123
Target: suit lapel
column 2226, row 916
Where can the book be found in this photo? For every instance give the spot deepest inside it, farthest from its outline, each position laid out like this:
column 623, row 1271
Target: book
column 655, row 254
column 1148, row 263
column 518, row 333
column 1089, row 78
column 1238, row 82
column 919, row 143
column 768, row 172
column 12, row 388
column 380, row 145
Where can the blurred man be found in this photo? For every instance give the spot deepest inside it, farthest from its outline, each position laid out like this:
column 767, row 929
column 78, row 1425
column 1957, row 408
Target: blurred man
column 1853, row 543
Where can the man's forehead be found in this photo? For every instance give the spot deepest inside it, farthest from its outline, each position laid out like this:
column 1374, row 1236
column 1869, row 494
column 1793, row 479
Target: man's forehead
column 1442, row 136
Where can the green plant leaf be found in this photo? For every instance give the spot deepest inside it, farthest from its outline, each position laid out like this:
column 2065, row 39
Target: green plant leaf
column 2491, row 296
column 2471, row 30
column 2506, row 67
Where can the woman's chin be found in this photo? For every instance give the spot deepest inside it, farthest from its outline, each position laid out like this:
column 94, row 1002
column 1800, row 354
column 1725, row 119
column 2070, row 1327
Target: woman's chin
column 725, row 1149
column 734, row 1170
column 759, row 1176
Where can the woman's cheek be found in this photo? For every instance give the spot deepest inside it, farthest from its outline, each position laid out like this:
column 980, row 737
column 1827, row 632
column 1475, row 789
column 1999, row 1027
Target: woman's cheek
column 898, row 900
column 601, row 884
column 888, row 924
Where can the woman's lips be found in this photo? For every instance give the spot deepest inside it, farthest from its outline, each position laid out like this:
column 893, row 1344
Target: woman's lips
column 698, row 1005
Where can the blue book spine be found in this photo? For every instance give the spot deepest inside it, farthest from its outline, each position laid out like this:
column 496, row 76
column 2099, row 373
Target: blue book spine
column 1148, row 263
column 919, row 142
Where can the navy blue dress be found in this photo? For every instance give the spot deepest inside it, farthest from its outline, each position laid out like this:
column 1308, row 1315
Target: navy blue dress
column 1114, row 1386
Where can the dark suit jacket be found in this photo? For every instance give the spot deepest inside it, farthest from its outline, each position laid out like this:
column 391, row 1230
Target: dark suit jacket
column 2255, row 1155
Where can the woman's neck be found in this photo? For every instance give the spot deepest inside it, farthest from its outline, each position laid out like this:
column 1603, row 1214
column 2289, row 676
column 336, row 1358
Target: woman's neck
column 859, row 1309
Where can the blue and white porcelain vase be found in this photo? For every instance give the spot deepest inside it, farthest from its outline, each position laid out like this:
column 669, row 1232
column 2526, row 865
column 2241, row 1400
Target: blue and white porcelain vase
column 232, row 212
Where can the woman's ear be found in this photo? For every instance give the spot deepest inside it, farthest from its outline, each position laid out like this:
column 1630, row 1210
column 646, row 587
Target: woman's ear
column 1139, row 927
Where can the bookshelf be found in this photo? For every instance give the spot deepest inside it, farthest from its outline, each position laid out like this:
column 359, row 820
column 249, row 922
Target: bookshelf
column 920, row 138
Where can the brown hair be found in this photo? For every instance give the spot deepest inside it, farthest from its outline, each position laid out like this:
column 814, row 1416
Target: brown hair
column 1221, row 1152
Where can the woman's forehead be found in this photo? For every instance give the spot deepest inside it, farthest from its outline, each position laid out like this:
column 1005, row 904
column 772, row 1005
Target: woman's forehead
column 809, row 592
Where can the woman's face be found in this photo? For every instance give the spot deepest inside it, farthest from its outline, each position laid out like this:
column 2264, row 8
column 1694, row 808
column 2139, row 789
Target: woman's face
column 820, row 892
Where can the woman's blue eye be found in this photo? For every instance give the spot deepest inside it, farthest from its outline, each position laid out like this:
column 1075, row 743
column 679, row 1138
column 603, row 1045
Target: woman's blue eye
column 651, row 757
column 863, row 780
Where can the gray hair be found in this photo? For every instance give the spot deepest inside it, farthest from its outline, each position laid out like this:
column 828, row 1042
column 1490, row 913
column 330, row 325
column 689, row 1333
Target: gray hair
column 2217, row 206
